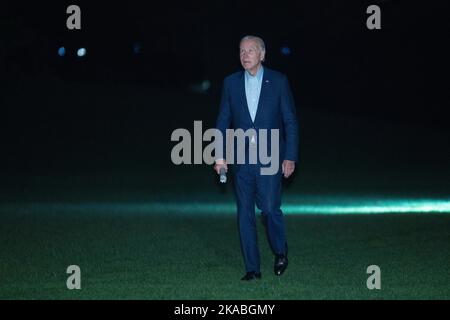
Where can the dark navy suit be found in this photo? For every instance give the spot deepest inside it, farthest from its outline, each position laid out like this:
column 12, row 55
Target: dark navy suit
column 276, row 110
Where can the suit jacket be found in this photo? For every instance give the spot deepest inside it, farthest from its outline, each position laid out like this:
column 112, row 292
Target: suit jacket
column 276, row 110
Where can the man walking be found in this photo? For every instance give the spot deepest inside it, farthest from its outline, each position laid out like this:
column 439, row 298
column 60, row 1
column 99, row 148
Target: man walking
column 259, row 98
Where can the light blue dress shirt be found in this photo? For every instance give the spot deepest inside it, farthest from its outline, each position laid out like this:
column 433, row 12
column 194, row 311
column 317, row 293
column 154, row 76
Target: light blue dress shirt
column 252, row 90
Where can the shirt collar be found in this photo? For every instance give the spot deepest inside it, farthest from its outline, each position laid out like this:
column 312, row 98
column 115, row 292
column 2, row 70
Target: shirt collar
column 258, row 75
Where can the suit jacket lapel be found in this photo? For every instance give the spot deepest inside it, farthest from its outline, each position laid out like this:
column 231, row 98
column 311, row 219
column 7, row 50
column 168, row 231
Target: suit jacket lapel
column 262, row 94
column 244, row 97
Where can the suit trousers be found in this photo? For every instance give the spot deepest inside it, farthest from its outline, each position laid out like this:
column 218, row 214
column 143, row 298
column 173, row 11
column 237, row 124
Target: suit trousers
column 265, row 191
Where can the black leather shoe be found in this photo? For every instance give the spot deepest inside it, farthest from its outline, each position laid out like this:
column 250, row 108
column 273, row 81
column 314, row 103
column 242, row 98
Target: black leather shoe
column 251, row 276
column 280, row 265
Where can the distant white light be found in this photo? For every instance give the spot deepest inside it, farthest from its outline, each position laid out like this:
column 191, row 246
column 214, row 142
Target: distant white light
column 81, row 52
column 62, row 52
column 205, row 85
column 201, row 87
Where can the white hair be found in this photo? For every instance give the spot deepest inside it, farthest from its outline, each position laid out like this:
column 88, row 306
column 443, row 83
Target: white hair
column 258, row 40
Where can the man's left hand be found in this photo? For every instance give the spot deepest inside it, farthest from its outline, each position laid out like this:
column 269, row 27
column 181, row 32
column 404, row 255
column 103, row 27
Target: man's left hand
column 288, row 168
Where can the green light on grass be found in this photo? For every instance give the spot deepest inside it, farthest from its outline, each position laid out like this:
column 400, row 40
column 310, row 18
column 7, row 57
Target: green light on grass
column 292, row 205
column 368, row 208
column 334, row 207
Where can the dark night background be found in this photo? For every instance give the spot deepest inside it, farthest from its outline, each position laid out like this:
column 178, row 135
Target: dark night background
column 372, row 104
column 86, row 176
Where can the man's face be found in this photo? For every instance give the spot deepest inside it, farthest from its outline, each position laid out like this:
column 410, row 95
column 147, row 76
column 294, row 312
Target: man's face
column 251, row 55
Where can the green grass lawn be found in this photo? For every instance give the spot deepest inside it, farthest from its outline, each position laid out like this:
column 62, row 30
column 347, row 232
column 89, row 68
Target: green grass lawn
column 145, row 255
column 350, row 165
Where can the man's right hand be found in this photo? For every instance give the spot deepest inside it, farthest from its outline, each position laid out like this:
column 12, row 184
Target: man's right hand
column 219, row 165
